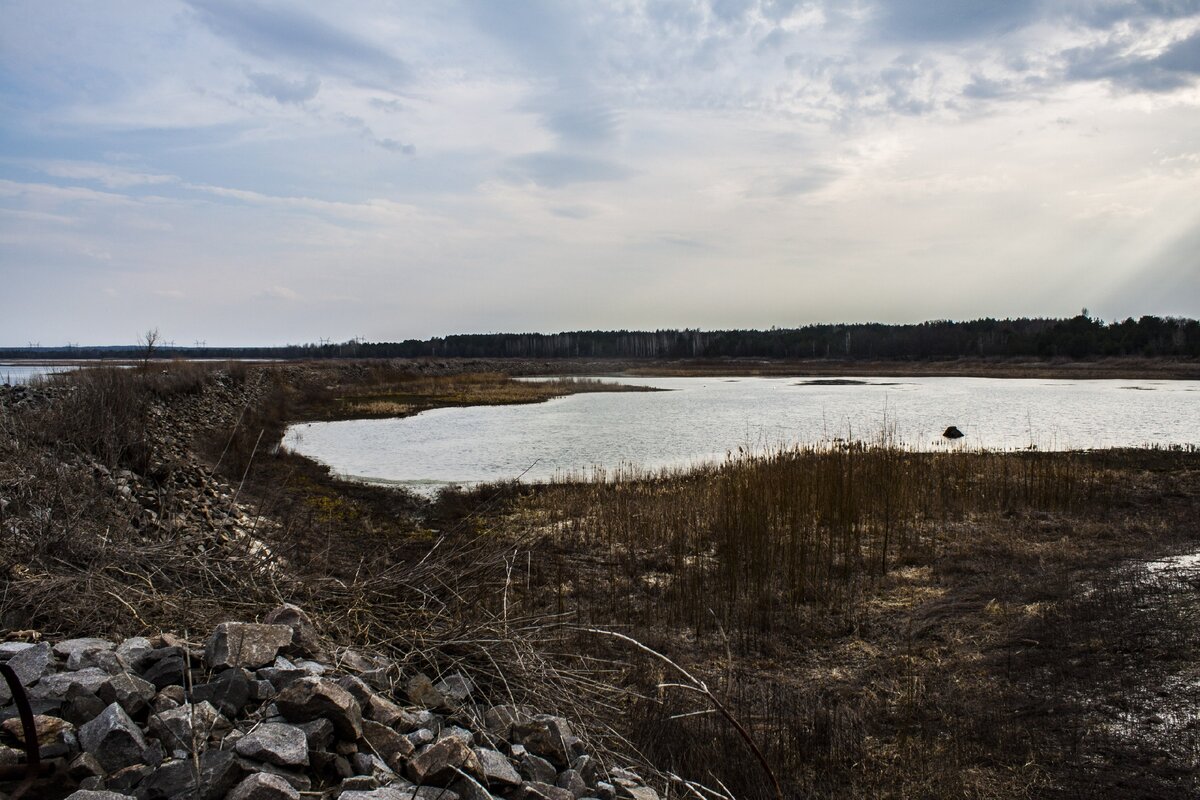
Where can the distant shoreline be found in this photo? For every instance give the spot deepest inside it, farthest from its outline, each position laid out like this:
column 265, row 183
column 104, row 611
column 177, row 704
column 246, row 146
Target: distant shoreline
column 1122, row 368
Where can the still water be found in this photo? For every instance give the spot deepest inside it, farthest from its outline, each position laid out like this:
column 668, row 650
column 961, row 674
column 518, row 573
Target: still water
column 13, row 374
column 702, row 419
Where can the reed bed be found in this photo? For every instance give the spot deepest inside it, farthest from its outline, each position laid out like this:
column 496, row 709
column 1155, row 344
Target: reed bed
column 756, row 543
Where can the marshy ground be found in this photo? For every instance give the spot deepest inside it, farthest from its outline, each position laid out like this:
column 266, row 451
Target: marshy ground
column 884, row 623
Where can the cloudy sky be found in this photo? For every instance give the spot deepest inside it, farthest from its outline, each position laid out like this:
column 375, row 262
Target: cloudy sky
column 260, row 171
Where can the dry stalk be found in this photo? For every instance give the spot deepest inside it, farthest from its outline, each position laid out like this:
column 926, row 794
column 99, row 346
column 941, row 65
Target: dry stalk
column 700, row 687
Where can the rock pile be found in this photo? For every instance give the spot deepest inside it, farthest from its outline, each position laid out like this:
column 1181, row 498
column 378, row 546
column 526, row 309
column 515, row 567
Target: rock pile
column 262, row 712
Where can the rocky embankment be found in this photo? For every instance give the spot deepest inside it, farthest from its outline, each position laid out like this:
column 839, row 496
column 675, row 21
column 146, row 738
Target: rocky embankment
column 268, row 711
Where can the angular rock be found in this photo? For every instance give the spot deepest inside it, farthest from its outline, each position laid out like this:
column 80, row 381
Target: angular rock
column 56, row 686
column 30, row 665
column 636, row 792
column 229, row 691
column 495, row 768
column 113, row 738
column 318, row 733
column 421, row 737
column 285, row 745
column 383, row 793
column 536, row 790
column 573, row 782
column 166, row 672
column 10, row 649
column 455, row 686
column 219, row 773
column 135, row 651
column 85, row 765
column 128, row 691
column 545, row 735
column 263, row 786
column 69, row 647
column 126, row 780
column 362, row 783
column 437, row 763
column 48, row 730
column 387, row 744
column 421, row 692
column 245, row 644
column 388, row 713
column 310, row 698
column 296, row 779
column 96, row 794
column 471, row 790
column 589, row 768
column 500, row 719
column 81, row 706
column 537, row 768
column 357, row 689
column 304, row 633
column 106, row 660
column 189, row 727
column 458, row 732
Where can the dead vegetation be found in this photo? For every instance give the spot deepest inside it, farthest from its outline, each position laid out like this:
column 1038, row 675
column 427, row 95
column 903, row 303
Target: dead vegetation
column 883, row 623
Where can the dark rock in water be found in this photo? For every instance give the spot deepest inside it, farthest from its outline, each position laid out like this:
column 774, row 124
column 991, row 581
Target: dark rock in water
column 953, row 433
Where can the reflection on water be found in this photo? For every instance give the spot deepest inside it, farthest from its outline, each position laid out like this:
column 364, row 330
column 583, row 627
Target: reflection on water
column 706, row 418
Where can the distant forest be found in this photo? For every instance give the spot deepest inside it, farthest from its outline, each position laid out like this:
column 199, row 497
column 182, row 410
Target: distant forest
column 1079, row 337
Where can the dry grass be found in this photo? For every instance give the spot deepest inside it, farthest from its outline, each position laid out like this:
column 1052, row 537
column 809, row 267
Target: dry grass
column 850, row 603
column 866, row 612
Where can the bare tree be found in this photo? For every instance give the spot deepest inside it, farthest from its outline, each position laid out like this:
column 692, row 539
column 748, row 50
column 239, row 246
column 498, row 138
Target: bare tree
column 148, row 342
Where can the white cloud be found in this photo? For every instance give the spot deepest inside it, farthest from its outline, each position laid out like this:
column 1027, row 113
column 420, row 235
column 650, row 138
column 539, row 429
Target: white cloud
column 409, row 170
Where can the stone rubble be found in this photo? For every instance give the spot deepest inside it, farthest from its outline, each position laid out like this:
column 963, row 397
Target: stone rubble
column 261, row 712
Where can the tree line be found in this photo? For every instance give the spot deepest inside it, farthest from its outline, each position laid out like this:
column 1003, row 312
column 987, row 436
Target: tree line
column 1077, row 338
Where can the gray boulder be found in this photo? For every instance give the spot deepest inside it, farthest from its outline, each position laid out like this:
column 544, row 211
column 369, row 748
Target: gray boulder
column 437, row 764
column 189, row 727
column 285, row 745
column 263, row 786
column 309, row 698
column 113, row 738
column 546, row 736
column 245, row 644
column 495, row 768
column 128, row 691
column 387, row 744
column 56, row 686
column 218, row 774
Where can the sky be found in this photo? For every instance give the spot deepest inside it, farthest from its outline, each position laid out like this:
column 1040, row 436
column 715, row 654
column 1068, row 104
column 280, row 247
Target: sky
column 242, row 172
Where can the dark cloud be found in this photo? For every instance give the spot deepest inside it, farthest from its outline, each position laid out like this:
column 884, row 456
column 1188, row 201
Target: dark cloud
column 273, row 31
column 1177, row 66
column 396, row 146
column 283, row 90
column 1106, row 13
column 984, row 88
column 902, row 82
column 951, row 20
column 555, row 170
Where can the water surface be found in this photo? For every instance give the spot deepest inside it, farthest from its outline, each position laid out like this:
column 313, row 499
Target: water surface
column 706, row 418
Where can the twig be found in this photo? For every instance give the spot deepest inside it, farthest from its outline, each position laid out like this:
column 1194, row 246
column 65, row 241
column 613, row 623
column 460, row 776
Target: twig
column 700, row 687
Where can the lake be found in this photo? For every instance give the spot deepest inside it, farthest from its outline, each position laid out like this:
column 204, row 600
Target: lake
column 13, row 374
column 700, row 419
